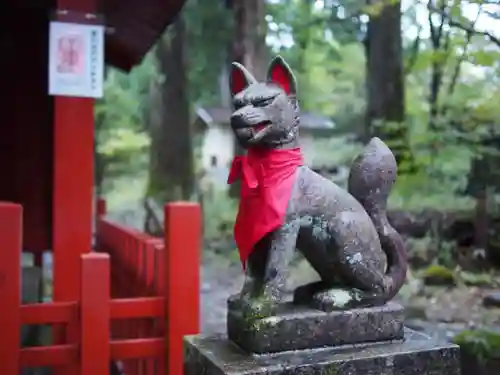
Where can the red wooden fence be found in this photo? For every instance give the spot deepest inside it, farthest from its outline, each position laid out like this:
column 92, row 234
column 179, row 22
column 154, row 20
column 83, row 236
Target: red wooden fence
column 139, row 296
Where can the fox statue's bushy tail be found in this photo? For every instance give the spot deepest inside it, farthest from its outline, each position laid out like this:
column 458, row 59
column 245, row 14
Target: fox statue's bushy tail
column 371, row 179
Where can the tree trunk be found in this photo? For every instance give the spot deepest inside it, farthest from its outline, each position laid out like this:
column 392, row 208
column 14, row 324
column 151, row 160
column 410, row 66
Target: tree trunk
column 248, row 47
column 385, row 115
column 171, row 174
column 100, row 161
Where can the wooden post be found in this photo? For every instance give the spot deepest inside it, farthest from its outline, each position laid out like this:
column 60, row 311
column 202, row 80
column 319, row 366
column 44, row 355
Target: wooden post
column 182, row 281
column 95, row 297
column 72, row 193
column 10, row 286
column 72, row 199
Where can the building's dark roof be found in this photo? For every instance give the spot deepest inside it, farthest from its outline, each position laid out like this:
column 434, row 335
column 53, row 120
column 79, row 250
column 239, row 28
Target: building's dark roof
column 134, row 26
column 205, row 117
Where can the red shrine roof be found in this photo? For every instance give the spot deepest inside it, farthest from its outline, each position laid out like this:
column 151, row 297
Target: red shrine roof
column 134, row 26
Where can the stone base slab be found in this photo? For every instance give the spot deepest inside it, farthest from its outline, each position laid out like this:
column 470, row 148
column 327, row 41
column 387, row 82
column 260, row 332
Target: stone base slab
column 417, row 354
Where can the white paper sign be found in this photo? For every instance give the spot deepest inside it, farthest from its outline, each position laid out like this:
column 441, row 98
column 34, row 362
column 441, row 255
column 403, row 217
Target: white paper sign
column 76, row 60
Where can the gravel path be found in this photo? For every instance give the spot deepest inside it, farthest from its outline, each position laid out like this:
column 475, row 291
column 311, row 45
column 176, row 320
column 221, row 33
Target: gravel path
column 219, row 279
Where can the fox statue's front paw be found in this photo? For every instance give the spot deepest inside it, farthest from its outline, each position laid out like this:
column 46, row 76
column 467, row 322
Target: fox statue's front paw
column 254, row 307
column 259, row 308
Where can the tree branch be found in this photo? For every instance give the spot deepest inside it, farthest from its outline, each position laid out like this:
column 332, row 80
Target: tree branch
column 461, row 59
column 410, row 63
column 465, row 27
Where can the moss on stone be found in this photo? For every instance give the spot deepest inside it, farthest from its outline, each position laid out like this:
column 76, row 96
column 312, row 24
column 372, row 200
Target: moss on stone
column 480, row 344
column 438, row 275
column 256, row 313
column 330, row 370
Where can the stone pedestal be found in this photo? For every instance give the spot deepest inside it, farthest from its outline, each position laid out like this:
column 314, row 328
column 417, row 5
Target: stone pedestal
column 304, row 340
column 299, row 327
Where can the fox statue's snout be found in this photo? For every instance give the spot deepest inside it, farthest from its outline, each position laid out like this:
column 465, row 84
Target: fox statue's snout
column 250, row 121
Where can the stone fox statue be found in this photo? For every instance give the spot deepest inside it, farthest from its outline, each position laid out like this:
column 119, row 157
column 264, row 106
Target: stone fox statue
column 344, row 235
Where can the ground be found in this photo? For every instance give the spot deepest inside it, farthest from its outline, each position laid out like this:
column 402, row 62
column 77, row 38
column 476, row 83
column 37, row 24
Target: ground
column 220, row 278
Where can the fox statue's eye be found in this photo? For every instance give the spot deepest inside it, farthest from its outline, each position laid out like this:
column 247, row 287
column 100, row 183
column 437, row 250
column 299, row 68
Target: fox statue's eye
column 262, row 102
column 237, row 104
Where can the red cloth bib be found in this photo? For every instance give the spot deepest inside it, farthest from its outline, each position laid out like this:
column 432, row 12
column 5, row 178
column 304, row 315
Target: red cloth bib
column 267, row 178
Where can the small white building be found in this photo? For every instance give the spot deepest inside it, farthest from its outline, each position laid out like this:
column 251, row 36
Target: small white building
column 217, row 149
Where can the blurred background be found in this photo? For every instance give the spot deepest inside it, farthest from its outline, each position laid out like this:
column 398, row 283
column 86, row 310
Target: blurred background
column 422, row 75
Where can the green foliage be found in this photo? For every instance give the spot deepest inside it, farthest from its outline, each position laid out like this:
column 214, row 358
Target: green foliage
column 208, row 37
column 478, row 279
column 336, row 151
column 219, row 213
column 324, row 47
column 121, row 142
column 437, row 274
column 480, row 344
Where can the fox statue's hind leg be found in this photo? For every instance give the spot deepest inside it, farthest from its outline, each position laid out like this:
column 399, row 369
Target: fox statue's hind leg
column 349, row 278
column 362, row 260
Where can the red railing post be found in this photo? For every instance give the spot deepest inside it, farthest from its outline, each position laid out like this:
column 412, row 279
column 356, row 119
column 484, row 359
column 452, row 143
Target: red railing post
column 95, row 301
column 149, row 280
column 182, row 279
column 10, row 286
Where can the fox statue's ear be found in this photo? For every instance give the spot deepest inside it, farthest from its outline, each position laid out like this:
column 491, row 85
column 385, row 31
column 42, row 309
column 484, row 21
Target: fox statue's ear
column 240, row 79
column 280, row 73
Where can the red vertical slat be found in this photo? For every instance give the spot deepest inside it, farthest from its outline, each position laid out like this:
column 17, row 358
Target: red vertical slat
column 161, row 287
column 151, row 289
column 182, row 283
column 95, row 352
column 139, row 323
column 128, row 291
column 10, row 286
